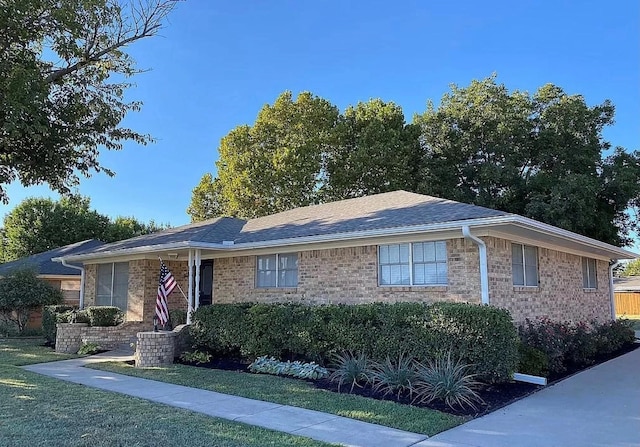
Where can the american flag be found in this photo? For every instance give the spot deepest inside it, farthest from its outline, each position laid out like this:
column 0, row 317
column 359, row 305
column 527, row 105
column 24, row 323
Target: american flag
column 166, row 285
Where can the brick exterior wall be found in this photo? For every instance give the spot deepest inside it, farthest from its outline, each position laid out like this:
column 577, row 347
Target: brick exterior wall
column 559, row 296
column 346, row 276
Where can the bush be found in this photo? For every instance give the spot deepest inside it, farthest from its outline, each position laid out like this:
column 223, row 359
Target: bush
column 613, row 336
column 448, row 380
column 20, row 293
column 297, row 369
column 178, row 317
column 551, row 337
column 351, row 369
column 482, row 336
column 532, row 361
column 104, row 315
column 197, row 357
column 89, row 348
column 52, row 315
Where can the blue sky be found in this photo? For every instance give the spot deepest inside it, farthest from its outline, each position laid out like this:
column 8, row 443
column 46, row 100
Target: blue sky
column 218, row 62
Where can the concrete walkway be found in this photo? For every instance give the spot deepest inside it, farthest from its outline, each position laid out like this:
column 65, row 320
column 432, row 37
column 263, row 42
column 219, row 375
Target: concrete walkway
column 297, row 421
column 598, row 407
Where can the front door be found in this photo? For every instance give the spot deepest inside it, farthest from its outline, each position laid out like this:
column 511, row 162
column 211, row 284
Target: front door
column 206, row 282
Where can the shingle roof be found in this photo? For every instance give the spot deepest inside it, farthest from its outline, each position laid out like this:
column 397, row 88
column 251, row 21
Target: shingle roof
column 631, row 283
column 43, row 264
column 380, row 211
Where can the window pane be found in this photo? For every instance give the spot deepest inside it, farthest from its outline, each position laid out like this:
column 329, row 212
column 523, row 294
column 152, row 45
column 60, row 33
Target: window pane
column 384, row 254
column 406, row 279
column 516, row 254
column 404, row 253
column 385, row 274
column 266, row 279
column 289, row 278
column 418, row 252
column 430, row 252
column 518, row 274
column 394, row 254
column 418, row 274
column 396, row 274
column 530, row 256
column 266, row 271
column 441, row 251
column 289, row 261
column 442, row 273
column 593, row 281
column 585, row 273
column 531, row 275
column 120, row 285
column 103, row 285
column 431, row 273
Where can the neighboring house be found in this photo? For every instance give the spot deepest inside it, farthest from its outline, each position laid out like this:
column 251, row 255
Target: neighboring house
column 390, row 247
column 627, row 293
column 65, row 279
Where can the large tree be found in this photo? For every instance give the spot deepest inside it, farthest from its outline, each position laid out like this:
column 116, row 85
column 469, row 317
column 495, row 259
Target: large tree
column 374, row 151
column 64, row 70
column 537, row 155
column 275, row 164
column 41, row 224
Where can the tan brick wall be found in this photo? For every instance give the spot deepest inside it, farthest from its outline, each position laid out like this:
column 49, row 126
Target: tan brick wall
column 143, row 287
column 347, row 276
column 559, row 296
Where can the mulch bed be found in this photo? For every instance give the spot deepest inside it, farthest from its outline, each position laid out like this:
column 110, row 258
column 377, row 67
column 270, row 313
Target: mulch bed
column 495, row 396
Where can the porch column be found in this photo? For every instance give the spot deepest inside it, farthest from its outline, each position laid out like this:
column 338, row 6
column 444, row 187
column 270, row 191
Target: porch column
column 190, row 293
column 198, row 262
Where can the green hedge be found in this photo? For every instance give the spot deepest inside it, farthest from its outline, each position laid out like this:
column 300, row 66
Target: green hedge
column 64, row 313
column 482, row 336
column 104, row 315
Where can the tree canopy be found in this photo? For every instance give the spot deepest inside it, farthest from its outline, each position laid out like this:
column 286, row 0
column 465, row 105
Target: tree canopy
column 540, row 155
column 631, row 268
column 41, row 224
column 63, row 74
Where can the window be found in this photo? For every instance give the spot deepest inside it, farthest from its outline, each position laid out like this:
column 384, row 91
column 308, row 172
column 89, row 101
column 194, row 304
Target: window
column 524, row 264
column 420, row 263
column 589, row 279
column 112, row 285
column 279, row 270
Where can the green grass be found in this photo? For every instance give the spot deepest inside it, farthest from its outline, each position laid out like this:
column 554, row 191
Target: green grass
column 297, row 393
column 39, row 411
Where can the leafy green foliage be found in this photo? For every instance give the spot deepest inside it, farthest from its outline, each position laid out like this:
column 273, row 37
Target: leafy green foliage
column 483, row 336
column 351, row 369
column 446, row 379
column 613, row 336
column 63, row 70
column 631, row 268
column 104, row 316
column 178, row 317
column 532, row 361
column 60, row 313
column 89, row 348
column 297, row 369
column 21, row 292
column 196, row 357
column 393, row 376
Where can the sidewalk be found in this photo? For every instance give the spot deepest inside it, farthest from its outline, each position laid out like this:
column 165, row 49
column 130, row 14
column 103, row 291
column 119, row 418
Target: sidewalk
column 293, row 420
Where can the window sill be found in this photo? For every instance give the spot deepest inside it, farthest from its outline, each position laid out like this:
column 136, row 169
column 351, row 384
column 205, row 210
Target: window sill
column 419, row 288
column 526, row 288
column 589, row 290
column 276, row 289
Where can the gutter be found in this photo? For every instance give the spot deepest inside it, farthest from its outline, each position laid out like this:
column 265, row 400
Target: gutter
column 64, row 262
column 612, row 294
column 482, row 252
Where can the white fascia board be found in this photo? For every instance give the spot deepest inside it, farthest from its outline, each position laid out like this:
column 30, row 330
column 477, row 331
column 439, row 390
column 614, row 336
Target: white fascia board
column 486, row 222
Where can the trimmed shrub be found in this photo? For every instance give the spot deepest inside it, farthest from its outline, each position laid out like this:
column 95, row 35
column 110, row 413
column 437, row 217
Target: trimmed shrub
column 178, row 317
column 532, row 361
column 60, row 313
column 551, row 337
column 481, row 336
column 613, row 336
column 104, row 315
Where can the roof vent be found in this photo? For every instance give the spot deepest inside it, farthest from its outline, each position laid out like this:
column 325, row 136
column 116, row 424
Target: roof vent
column 227, row 243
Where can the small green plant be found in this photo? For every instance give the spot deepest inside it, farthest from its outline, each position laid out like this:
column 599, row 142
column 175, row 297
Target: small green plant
column 350, row 369
column 393, row 376
column 104, row 316
column 89, row 348
column 448, row 380
column 297, row 369
column 532, row 361
column 196, row 357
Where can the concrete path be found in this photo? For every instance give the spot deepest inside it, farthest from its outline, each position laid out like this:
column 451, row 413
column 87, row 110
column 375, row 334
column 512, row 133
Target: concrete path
column 297, row 421
column 598, row 407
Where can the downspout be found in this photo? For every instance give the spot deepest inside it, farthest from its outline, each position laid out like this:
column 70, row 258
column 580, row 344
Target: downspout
column 612, row 264
column 81, row 303
column 482, row 251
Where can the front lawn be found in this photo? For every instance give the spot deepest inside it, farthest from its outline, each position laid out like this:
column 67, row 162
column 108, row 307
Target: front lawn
column 297, row 393
column 40, row 411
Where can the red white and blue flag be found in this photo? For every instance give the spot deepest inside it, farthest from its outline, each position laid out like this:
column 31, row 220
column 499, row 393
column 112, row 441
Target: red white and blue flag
column 166, row 285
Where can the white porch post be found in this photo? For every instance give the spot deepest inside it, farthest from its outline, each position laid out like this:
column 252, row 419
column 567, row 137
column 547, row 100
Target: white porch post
column 197, row 296
column 190, row 293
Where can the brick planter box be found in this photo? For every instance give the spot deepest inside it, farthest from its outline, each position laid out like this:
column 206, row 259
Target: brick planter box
column 71, row 336
column 155, row 349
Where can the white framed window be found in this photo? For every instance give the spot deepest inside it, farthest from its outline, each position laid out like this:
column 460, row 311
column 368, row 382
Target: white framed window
column 589, row 276
column 112, row 285
column 280, row 270
column 524, row 265
column 419, row 264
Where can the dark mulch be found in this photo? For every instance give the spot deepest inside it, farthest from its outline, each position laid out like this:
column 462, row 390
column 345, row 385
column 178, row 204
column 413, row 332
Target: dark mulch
column 494, row 396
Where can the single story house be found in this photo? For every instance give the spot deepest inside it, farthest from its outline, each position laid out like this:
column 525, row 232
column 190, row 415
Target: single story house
column 627, row 295
column 389, row 247
column 64, row 278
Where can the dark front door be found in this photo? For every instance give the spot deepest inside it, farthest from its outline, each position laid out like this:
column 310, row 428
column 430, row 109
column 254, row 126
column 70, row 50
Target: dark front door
column 206, row 282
